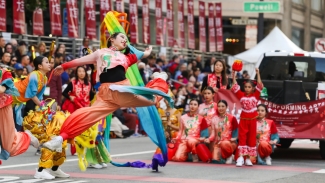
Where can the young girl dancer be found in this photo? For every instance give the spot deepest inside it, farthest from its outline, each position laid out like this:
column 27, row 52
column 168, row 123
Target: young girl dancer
column 208, row 108
column 31, row 88
column 218, row 79
column 191, row 125
column 224, row 134
column 267, row 136
column 111, row 68
column 247, row 124
column 12, row 142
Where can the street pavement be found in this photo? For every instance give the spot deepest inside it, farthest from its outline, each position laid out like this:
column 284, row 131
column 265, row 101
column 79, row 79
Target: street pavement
column 300, row 163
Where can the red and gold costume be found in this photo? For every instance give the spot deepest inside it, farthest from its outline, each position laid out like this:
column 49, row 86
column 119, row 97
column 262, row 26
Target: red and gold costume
column 223, row 130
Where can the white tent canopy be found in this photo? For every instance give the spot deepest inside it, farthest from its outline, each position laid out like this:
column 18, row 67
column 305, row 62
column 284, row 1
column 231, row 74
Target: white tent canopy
column 275, row 40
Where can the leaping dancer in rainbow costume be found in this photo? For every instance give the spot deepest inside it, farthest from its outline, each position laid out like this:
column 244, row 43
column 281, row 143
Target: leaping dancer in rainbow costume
column 114, row 60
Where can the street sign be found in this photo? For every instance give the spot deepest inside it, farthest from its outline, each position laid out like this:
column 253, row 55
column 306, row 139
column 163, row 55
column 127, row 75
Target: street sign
column 320, row 44
column 262, row 7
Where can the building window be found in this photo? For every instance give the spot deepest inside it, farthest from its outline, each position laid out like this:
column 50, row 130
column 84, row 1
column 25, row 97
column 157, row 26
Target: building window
column 298, row 36
column 313, row 36
column 298, row 1
column 316, row 5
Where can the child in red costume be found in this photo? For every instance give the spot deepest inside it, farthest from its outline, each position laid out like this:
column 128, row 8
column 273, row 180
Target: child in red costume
column 247, row 125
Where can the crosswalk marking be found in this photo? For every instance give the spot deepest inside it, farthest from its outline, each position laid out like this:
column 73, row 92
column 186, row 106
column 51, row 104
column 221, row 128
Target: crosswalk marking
column 66, row 180
column 319, row 171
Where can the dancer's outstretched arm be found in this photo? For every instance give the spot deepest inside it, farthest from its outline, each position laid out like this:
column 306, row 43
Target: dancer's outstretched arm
column 89, row 59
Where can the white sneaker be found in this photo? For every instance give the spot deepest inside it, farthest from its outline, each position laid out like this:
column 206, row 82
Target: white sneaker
column 55, row 144
column 268, row 160
column 104, row 165
column 229, row 160
column 44, row 174
column 59, row 173
column 240, row 161
column 97, row 166
column 248, row 162
column 195, row 158
column 33, row 140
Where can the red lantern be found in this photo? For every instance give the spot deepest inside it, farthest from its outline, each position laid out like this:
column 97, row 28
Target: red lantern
column 237, row 65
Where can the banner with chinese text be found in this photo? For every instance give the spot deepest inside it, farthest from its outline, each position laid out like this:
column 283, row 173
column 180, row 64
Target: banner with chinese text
column 90, row 12
column 133, row 9
column 170, row 23
column 105, row 6
column 19, row 17
column 120, row 5
column 159, row 23
column 181, row 30
column 73, row 12
column 55, row 17
column 145, row 21
column 219, row 31
column 190, row 24
column 38, row 26
column 202, row 29
column 212, row 30
column 3, row 18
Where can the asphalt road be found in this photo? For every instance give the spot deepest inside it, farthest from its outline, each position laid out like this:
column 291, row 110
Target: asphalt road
column 300, row 163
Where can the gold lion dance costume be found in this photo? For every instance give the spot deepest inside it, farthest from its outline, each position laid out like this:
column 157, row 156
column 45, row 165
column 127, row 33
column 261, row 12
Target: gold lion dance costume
column 112, row 65
column 43, row 124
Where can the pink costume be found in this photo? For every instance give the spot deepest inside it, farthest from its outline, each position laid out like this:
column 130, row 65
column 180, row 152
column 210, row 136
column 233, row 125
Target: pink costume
column 223, row 129
column 208, row 111
column 12, row 142
column 266, row 131
column 247, row 124
column 111, row 65
column 192, row 126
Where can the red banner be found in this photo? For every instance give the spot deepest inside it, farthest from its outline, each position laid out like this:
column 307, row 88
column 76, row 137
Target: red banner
column 170, row 23
column 3, row 18
column 190, row 24
column 55, row 16
column 120, row 5
column 305, row 120
column 180, row 17
column 145, row 21
column 219, row 32
column 72, row 11
column 19, row 16
column 202, row 28
column 133, row 9
column 38, row 26
column 159, row 24
column 105, row 6
column 212, row 30
column 90, row 19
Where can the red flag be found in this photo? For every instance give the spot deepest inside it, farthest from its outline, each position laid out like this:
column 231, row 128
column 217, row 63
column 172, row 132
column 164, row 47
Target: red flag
column 120, row 5
column 38, row 26
column 145, row 21
column 72, row 11
column 90, row 19
column 133, row 8
column 180, row 17
column 105, row 6
column 190, row 20
column 170, row 23
column 55, row 16
column 159, row 23
column 202, row 28
column 3, row 18
column 219, row 32
column 212, row 30
column 19, row 16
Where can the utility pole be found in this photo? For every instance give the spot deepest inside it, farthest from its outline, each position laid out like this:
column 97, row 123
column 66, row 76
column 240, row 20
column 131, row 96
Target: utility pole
column 260, row 26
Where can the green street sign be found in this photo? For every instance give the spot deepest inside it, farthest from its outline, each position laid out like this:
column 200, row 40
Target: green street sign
column 262, row 7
